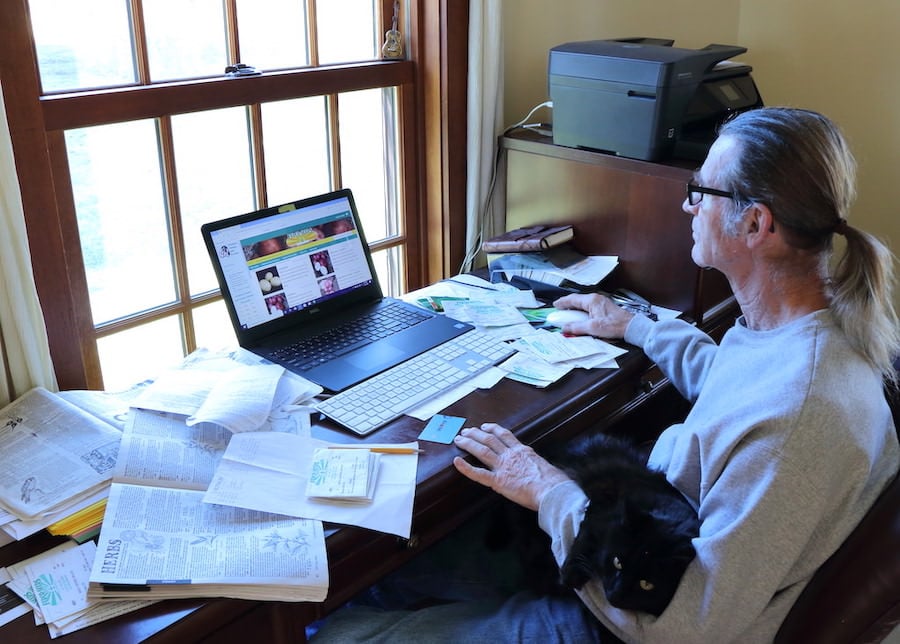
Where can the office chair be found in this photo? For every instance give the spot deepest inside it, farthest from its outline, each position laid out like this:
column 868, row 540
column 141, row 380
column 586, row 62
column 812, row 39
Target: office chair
column 855, row 596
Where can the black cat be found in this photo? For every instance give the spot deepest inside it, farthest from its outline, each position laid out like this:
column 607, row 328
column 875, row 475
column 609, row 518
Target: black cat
column 636, row 534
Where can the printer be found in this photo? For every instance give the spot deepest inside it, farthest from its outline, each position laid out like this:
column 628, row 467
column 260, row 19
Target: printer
column 645, row 99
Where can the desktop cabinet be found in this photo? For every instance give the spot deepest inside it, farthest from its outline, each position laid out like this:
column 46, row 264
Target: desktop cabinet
column 618, row 206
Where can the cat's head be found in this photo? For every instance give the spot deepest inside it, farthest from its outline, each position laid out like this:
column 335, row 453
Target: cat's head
column 639, row 558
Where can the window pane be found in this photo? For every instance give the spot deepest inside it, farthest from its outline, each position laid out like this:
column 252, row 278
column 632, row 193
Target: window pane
column 212, row 327
column 272, row 33
column 121, row 213
column 389, row 267
column 128, row 357
column 185, row 38
column 215, row 180
column 369, row 158
column 295, row 138
column 82, row 44
column 346, row 30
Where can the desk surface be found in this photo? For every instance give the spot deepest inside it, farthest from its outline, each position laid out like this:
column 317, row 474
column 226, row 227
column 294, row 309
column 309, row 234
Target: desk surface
column 597, row 399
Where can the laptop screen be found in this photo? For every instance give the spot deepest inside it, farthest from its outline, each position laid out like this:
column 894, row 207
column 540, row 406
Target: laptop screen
column 290, row 260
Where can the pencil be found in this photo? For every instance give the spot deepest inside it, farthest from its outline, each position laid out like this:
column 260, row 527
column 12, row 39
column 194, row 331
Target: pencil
column 381, row 450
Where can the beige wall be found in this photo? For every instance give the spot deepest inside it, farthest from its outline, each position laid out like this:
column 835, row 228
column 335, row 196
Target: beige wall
column 840, row 58
column 532, row 27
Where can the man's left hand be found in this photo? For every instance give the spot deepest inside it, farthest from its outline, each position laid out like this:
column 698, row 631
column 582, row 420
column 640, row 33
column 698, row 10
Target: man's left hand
column 513, row 470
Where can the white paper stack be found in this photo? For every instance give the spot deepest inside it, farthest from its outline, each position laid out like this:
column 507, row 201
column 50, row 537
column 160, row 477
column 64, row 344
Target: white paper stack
column 343, row 475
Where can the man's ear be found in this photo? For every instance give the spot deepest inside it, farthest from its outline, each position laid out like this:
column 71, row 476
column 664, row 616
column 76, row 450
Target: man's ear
column 760, row 222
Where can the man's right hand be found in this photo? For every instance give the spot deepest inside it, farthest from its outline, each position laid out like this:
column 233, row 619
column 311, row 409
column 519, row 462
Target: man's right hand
column 607, row 319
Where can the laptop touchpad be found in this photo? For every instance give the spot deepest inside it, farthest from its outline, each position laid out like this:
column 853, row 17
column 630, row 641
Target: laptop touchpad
column 374, row 355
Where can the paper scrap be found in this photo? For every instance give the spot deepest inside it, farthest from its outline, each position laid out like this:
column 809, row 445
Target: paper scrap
column 442, row 429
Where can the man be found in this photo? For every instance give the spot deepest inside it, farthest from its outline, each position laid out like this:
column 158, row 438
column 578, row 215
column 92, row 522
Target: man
column 789, row 439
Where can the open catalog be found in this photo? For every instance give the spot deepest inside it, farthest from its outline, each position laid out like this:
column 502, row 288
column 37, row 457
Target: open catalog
column 160, row 540
column 54, row 455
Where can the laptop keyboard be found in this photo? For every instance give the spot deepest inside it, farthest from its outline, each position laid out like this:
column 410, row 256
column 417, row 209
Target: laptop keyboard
column 373, row 403
column 311, row 352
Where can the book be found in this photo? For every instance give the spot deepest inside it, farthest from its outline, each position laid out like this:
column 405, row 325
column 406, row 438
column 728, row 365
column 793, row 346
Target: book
column 160, row 540
column 529, row 239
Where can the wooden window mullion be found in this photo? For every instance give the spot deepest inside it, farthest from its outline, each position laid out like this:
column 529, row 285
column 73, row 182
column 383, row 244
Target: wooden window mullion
column 139, row 42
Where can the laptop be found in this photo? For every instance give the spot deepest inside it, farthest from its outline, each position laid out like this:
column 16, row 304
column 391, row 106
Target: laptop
column 301, row 291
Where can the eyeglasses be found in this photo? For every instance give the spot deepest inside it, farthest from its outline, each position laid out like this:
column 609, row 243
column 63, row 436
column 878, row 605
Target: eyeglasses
column 695, row 193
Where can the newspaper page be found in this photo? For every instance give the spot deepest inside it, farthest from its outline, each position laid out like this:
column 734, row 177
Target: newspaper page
column 52, row 453
column 168, row 543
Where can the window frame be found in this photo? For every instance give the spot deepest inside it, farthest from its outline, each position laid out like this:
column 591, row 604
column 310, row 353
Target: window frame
column 431, row 88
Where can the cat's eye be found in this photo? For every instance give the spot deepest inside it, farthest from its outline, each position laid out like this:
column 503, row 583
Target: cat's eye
column 646, row 585
column 617, row 564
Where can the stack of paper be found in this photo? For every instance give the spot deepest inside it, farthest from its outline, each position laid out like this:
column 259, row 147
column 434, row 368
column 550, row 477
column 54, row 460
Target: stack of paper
column 53, row 585
column 555, row 266
column 343, row 475
column 67, row 459
column 543, row 356
column 82, row 525
column 55, row 459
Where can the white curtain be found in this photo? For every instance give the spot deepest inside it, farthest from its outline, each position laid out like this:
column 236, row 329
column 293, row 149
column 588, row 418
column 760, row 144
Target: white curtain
column 24, row 350
column 485, row 124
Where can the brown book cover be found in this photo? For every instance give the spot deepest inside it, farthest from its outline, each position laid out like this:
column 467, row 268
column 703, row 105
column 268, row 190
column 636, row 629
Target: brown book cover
column 531, row 238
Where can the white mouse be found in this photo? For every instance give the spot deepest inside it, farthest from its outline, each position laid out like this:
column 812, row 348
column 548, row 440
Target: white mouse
column 564, row 316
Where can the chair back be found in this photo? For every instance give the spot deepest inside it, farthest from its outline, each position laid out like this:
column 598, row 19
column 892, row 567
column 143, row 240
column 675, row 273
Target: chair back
column 855, row 596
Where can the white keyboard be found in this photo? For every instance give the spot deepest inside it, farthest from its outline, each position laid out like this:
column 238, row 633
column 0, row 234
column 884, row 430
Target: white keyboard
column 372, row 403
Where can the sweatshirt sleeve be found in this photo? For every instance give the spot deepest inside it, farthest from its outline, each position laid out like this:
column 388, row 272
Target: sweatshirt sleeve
column 682, row 351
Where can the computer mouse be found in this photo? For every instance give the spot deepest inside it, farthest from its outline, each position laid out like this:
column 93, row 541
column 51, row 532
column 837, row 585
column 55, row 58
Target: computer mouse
column 564, row 316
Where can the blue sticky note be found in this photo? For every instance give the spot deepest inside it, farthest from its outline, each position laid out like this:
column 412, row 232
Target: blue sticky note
column 442, row 429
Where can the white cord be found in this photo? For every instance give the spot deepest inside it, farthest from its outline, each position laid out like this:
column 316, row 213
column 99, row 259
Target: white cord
column 528, row 116
column 473, row 252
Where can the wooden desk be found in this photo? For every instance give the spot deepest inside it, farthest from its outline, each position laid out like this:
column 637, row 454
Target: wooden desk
column 598, row 400
column 620, row 206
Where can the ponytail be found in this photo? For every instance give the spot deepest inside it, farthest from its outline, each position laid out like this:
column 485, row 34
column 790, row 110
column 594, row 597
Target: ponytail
column 799, row 164
column 862, row 286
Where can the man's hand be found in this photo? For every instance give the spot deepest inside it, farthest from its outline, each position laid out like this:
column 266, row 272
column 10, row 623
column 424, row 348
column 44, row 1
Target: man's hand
column 514, row 470
column 607, row 319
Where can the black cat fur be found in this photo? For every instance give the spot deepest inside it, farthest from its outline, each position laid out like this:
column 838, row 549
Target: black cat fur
column 635, row 537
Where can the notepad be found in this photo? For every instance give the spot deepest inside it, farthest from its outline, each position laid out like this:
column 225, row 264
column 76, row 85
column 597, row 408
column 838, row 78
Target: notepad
column 343, row 475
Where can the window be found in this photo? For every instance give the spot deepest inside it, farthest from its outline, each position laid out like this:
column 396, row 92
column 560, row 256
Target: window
column 143, row 138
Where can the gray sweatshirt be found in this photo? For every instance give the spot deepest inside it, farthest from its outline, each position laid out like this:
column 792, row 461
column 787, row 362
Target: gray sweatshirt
column 788, row 444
